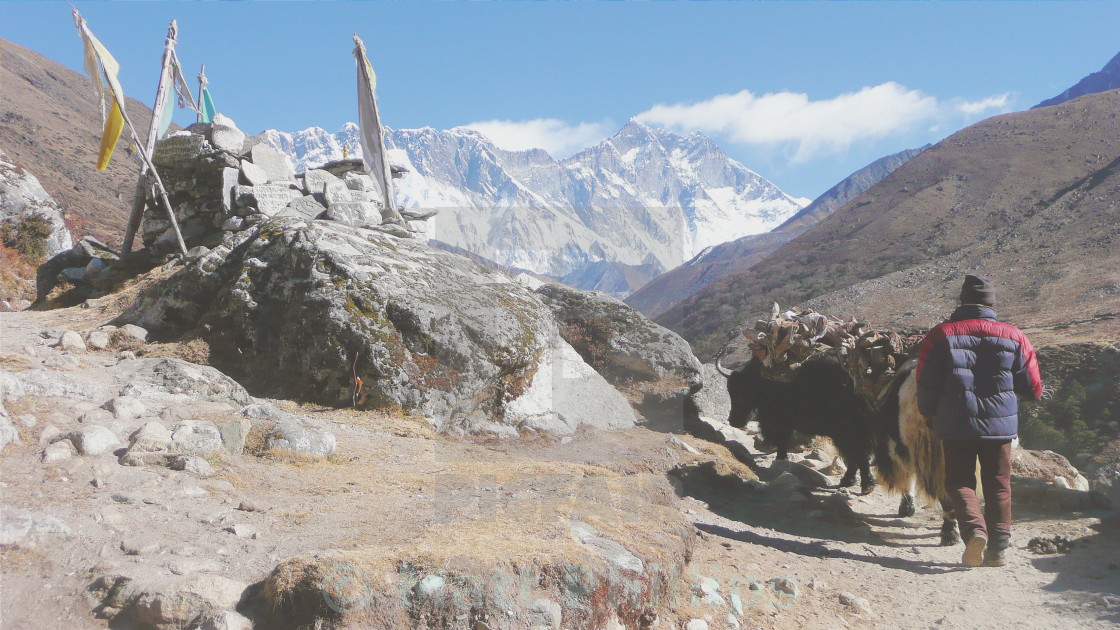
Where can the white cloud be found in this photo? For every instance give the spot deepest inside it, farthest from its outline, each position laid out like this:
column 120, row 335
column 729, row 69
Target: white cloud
column 559, row 138
column 975, row 108
column 813, row 128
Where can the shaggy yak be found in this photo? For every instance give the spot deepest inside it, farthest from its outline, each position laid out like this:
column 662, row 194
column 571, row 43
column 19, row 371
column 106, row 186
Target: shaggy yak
column 908, row 452
column 819, row 400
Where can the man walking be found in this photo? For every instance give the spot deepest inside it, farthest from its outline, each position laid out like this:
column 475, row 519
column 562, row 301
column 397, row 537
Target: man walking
column 970, row 371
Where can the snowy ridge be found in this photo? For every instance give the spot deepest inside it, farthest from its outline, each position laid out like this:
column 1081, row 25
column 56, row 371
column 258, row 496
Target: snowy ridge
column 642, row 197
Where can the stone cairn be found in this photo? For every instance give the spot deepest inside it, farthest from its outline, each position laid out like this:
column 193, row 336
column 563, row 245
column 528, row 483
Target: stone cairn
column 220, row 180
column 872, row 357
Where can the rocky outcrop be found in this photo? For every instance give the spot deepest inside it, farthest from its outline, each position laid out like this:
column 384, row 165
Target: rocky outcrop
column 619, row 341
column 24, row 202
column 300, row 308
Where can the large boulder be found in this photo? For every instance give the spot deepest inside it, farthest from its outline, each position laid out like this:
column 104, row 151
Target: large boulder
column 24, row 205
column 619, row 341
column 297, row 309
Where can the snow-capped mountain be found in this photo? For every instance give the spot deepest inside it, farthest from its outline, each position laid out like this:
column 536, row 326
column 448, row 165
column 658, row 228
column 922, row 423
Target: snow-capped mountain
column 642, row 197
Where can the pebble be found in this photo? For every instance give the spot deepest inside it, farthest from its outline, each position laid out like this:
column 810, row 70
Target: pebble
column 135, row 332
column 247, row 506
column 58, row 452
column 27, row 420
column 123, row 497
column 98, row 340
column 71, row 341
column 242, row 530
column 139, row 546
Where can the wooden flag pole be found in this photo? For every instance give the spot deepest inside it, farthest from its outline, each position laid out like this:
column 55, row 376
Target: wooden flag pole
column 157, row 112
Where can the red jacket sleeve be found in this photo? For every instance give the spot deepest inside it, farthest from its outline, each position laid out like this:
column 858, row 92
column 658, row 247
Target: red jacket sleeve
column 1028, row 380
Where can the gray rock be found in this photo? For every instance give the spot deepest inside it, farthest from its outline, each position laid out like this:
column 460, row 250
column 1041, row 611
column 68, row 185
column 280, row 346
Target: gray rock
column 682, row 445
column 71, row 342
column 696, row 624
column 234, row 433
column 179, row 151
column 225, row 136
column 22, row 196
column 418, row 214
column 433, row 333
column 192, row 464
column 291, row 435
column 18, row 525
column 99, row 340
column 136, row 332
column 306, row 208
column 354, row 213
column 242, row 531
column 62, row 361
column 858, row 604
column 392, row 228
column 222, row 620
column 233, row 224
column 565, row 392
column 11, row 388
column 276, row 164
column 93, row 440
column 196, row 437
column 25, row 420
column 230, row 181
column 784, row 585
column 252, row 174
column 804, row 474
column 635, row 348
column 315, row 181
column 786, row 482
column 47, row 383
column 49, row 434
column 153, row 437
column 125, row 408
column 272, row 198
column 610, row 551
column 58, row 452
column 545, row 613
column 139, row 546
column 179, row 601
column 178, row 381
column 8, row 433
column 817, row 455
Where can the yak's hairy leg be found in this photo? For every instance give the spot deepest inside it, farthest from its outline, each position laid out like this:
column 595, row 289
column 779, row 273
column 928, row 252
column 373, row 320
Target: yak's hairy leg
column 849, row 478
column 949, row 534
column 906, row 506
column 867, row 482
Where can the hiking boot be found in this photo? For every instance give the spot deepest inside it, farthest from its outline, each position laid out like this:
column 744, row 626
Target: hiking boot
column 974, row 551
column 995, row 557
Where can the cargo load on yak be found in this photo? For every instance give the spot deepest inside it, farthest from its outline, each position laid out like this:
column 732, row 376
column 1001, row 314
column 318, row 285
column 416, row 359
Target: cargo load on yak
column 788, row 339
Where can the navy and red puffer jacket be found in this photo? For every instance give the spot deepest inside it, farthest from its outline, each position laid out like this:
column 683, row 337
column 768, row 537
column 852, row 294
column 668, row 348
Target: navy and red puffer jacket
column 970, row 371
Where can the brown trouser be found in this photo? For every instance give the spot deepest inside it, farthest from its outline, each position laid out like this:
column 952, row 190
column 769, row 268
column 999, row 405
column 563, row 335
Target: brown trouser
column 995, row 477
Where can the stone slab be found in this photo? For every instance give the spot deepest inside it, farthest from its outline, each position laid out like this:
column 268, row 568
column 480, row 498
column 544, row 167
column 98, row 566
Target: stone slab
column 275, row 163
column 272, row 198
column 180, row 151
column 252, row 174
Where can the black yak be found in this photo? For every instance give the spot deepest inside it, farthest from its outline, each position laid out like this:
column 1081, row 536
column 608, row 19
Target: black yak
column 820, row 399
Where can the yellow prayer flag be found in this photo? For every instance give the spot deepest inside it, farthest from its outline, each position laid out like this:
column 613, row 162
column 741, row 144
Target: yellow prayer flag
column 114, row 124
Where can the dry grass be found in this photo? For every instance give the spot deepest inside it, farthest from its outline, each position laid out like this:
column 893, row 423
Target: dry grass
column 17, row 276
column 17, row 362
column 192, row 350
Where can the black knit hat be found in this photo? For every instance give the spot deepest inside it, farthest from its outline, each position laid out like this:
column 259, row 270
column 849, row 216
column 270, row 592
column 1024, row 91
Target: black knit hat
column 978, row 290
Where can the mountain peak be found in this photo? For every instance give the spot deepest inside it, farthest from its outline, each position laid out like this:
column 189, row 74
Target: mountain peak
column 1108, row 78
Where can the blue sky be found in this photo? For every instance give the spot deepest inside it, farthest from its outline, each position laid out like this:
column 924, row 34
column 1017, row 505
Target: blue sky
column 802, row 92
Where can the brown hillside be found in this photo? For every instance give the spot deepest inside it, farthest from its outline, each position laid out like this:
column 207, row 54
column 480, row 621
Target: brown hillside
column 50, row 125
column 1031, row 199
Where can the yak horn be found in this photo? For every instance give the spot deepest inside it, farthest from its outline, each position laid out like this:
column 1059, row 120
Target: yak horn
column 719, row 368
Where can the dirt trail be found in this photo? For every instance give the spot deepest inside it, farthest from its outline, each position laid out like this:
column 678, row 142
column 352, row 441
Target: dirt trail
column 909, row 580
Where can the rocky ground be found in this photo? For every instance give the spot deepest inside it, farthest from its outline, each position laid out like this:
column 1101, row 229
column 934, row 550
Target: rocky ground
column 356, row 505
